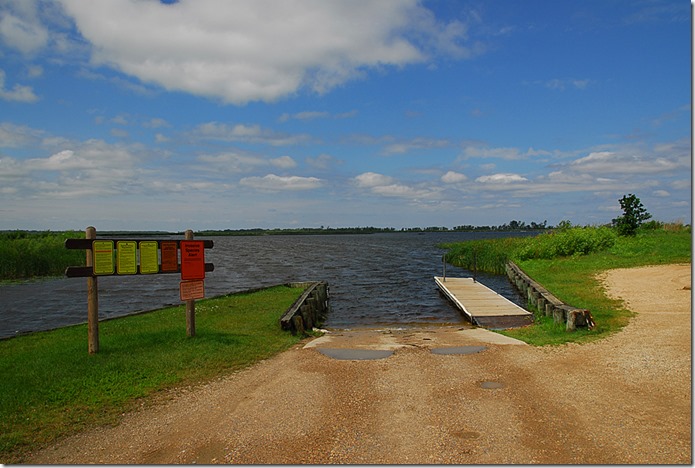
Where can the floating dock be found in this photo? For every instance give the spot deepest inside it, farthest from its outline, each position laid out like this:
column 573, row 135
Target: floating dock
column 481, row 305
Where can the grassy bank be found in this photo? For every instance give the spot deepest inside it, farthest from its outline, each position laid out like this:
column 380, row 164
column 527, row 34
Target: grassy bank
column 51, row 386
column 32, row 254
column 567, row 262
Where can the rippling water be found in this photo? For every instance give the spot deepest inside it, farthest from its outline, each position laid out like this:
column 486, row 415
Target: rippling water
column 374, row 280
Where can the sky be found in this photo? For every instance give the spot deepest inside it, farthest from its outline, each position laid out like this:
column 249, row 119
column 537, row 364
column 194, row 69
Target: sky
column 207, row 114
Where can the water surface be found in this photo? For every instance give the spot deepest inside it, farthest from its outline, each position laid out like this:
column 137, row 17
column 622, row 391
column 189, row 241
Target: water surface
column 374, row 280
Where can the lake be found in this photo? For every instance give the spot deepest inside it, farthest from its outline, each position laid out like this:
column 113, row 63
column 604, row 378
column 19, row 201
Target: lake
column 374, row 280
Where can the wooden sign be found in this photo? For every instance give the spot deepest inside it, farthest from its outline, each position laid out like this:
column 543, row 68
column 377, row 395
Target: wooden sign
column 170, row 260
column 102, row 251
column 191, row 290
column 149, row 262
column 192, row 260
column 126, row 255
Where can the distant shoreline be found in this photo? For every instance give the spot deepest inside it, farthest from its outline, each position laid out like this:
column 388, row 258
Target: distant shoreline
column 513, row 226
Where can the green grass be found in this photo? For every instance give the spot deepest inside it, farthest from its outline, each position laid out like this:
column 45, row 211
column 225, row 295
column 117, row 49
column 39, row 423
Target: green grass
column 51, row 386
column 26, row 255
column 572, row 278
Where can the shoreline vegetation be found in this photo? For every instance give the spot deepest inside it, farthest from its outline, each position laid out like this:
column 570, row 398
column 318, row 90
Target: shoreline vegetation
column 567, row 261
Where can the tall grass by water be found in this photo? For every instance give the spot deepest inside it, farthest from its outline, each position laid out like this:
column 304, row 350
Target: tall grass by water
column 491, row 255
column 52, row 387
column 26, row 255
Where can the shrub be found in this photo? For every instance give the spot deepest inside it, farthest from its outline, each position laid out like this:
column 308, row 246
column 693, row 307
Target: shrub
column 566, row 242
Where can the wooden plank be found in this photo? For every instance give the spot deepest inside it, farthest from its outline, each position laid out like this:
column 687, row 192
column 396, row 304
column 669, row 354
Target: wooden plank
column 88, row 272
column 477, row 300
column 85, row 244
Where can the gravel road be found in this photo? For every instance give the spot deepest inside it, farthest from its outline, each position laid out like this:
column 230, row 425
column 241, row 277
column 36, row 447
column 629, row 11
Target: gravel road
column 624, row 399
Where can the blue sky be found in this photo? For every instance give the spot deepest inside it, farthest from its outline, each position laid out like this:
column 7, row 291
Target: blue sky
column 209, row 114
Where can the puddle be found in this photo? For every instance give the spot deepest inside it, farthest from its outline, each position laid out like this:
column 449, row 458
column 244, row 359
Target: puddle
column 459, row 350
column 355, row 354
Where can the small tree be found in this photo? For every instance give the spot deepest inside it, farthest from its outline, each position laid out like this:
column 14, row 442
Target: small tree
column 634, row 214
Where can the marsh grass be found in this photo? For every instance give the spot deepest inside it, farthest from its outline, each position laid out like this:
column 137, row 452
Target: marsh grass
column 26, row 255
column 51, row 386
column 567, row 264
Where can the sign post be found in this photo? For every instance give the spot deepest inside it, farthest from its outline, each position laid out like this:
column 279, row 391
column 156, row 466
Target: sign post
column 190, row 259
column 105, row 257
column 92, row 297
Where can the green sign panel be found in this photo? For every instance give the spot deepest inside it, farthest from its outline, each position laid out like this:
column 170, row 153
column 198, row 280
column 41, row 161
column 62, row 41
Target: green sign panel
column 149, row 262
column 127, row 257
column 102, row 252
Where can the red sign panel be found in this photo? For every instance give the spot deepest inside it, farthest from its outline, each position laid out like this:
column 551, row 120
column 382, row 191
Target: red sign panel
column 170, row 260
column 192, row 260
column 189, row 290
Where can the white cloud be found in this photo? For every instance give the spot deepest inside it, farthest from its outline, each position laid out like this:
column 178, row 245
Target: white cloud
column 284, row 162
column 633, row 161
column 372, row 179
column 400, row 190
column 244, row 51
column 386, row 186
column 20, row 27
column 509, row 154
column 232, row 162
column 274, row 183
column 501, row 179
column 18, row 93
column 452, row 177
column 415, row 144
column 92, row 167
column 312, row 115
column 306, row 115
column 245, row 133
column 15, row 136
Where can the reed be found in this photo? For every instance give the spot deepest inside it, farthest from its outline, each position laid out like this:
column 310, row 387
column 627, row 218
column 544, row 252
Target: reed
column 26, row 255
column 491, row 255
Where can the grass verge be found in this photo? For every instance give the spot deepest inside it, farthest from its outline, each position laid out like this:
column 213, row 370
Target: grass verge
column 572, row 278
column 52, row 387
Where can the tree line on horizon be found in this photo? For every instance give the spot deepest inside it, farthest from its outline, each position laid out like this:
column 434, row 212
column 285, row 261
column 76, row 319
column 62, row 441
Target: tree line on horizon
column 511, row 226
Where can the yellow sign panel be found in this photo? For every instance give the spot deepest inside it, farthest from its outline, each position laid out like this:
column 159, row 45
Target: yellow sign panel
column 102, row 252
column 149, row 262
column 127, row 257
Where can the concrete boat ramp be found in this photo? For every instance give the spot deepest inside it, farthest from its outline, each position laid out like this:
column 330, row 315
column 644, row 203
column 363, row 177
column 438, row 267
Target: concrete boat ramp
column 370, row 344
column 481, row 305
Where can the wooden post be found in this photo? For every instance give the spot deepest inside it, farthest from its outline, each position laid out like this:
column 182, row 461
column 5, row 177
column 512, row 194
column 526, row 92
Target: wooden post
column 92, row 298
column 190, row 304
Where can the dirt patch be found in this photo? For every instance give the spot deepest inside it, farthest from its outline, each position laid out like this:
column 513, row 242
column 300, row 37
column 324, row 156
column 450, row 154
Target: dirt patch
column 625, row 399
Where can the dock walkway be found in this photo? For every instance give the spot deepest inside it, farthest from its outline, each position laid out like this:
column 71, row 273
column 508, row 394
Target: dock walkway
column 481, row 305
